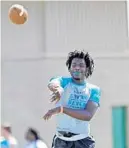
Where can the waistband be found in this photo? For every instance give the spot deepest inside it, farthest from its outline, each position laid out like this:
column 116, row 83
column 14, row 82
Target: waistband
column 67, row 136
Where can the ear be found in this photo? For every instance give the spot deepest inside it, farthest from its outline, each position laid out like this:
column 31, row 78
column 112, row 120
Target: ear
column 69, row 70
column 87, row 72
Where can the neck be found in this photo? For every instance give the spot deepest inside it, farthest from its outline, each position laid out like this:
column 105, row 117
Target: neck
column 77, row 81
column 32, row 140
column 7, row 136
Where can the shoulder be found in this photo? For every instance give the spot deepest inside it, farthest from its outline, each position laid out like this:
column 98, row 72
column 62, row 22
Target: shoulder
column 95, row 93
column 66, row 78
column 93, row 87
column 62, row 79
column 41, row 144
column 3, row 142
column 12, row 140
column 65, row 81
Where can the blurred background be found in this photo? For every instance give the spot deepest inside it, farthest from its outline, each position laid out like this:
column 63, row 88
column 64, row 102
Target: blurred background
column 34, row 52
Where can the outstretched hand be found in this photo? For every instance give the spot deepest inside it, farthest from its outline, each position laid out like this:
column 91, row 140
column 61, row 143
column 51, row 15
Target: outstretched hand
column 55, row 96
column 51, row 112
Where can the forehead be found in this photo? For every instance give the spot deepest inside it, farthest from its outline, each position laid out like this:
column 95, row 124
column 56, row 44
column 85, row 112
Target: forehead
column 78, row 61
column 28, row 132
column 3, row 129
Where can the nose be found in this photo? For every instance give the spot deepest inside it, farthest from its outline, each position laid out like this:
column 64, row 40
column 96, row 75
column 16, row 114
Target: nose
column 77, row 68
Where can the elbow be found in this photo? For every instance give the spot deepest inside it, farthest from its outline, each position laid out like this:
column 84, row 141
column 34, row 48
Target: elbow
column 88, row 118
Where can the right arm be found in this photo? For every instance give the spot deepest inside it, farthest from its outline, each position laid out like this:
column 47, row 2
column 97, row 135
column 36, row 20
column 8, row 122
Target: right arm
column 57, row 89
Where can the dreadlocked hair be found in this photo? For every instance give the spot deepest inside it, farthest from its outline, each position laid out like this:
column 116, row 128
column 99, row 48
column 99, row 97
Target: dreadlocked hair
column 82, row 55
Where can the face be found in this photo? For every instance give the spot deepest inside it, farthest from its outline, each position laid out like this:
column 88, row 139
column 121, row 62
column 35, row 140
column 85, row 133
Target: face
column 29, row 136
column 4, row 132
column 78, row 69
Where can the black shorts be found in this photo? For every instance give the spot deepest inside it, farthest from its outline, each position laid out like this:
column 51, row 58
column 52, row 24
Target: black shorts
column 83, row 143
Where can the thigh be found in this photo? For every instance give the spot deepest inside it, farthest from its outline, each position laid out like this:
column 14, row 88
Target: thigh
column 88, row 142
column 59, row 143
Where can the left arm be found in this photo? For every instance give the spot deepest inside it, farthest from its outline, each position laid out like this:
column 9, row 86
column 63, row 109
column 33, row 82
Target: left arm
column 90, row 109
column 85, row 115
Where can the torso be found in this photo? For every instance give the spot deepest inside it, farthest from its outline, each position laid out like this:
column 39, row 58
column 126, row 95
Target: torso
column 76, row 97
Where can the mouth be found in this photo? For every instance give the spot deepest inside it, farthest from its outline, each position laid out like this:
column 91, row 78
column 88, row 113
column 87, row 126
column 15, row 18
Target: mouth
column 77, row 73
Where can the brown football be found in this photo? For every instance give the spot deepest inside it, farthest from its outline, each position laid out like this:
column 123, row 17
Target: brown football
column 18, row 14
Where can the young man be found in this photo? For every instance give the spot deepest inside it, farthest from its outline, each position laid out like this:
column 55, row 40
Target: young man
column 76, row 103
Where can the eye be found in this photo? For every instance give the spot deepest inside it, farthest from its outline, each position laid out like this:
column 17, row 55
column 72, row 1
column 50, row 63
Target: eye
column 82, row 65
column 73, row 65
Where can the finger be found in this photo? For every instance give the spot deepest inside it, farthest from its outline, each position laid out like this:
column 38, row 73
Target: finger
column 45, row 116
column 55, row 94
column 54, row 98
column 52, row 94
column 48, row 116
column 53, row 87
